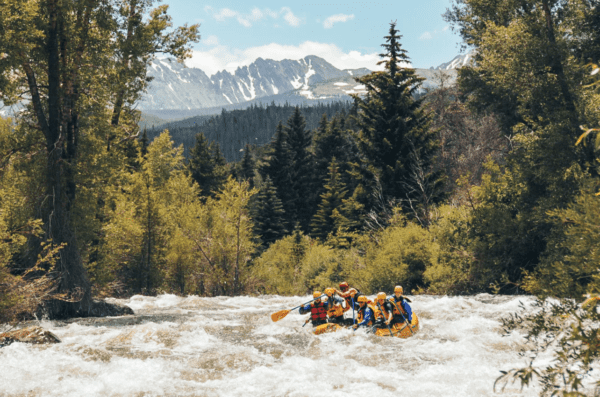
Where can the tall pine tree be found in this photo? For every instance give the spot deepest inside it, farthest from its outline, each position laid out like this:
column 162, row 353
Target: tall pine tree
column 268, row 214
column 247, row 166
column 394, row 135
column 207, row 166
column 329, row 215
column 298, row 203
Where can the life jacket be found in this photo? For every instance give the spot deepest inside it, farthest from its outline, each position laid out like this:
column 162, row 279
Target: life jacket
column 349, row 297
column 318, row 312
column 360, row 316
column 335, row 310
column 396, row 306
column 383, row 312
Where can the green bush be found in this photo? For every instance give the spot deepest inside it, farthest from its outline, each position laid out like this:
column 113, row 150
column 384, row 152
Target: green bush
column 569, row 266
column 400, row 254
column 455, row 272
column 297, row 264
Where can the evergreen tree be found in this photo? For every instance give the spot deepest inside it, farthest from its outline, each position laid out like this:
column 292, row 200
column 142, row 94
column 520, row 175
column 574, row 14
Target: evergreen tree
column 207, row 166
column 144, row 142
column 394, row 137
column 268, row 214
column 298, row 203
column 328, row 215
column 277, row 160
column 247, row 167
column 330, row 141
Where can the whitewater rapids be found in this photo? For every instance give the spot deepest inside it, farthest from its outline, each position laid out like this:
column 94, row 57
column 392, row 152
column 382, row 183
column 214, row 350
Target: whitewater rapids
column 191, row 346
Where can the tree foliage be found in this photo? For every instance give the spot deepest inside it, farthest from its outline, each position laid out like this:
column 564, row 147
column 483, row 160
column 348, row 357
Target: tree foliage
column 394, row 135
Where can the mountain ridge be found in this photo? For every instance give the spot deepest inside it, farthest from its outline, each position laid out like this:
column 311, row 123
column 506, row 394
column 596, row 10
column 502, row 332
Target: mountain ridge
column 178, row 92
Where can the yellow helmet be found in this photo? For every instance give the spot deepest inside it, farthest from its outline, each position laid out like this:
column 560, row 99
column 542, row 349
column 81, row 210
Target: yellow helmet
column 329, row 291
column 398, row 290
column 381, row 296
column 362, row 299
column 317, row 294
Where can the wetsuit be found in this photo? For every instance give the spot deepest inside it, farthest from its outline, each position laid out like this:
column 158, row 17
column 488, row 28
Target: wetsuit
column 406, row 311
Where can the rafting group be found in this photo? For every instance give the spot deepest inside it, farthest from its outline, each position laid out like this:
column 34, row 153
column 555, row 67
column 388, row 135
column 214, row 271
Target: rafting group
column 385, row 316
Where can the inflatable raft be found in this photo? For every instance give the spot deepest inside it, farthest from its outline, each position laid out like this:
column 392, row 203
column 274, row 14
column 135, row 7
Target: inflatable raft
column 401, row 330
column 398, row 330
column 324, row 328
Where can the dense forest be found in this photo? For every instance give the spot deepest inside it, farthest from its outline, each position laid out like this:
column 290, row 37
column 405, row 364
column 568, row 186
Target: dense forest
column 235, row 129
column 490, row 185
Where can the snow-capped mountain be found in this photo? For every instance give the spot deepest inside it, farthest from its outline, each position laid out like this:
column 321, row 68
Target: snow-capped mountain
column 177, row 87
column 458, row 61
column 180, row 92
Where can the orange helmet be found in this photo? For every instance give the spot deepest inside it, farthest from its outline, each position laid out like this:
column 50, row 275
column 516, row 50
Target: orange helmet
column 329, row 291
column 317, row 294
column 344, row 286
column 362, row 299
column 381, row 296
column 398, row 290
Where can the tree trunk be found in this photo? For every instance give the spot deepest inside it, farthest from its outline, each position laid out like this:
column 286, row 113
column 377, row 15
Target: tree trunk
column 74, row 291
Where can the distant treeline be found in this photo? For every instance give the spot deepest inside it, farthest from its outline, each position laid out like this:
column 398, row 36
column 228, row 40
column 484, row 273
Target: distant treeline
column 256, row 125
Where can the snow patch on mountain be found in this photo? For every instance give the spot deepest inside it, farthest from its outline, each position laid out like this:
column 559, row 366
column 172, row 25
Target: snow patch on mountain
column 459, row 61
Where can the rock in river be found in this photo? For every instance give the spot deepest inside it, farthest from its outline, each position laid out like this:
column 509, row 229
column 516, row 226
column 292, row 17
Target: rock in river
column 34, row 334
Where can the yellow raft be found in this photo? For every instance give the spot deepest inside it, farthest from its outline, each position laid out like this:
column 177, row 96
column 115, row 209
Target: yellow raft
column 324, row 328
column 398, row 330
column 401, row 330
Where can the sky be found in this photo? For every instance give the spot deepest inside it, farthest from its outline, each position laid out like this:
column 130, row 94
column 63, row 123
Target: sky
column 346, row 34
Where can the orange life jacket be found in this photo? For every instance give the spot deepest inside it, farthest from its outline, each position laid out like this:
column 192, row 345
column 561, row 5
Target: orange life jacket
column 360, row 314
column 318, row 312
column 381, row 312
column 398, row 305
column 335, row 310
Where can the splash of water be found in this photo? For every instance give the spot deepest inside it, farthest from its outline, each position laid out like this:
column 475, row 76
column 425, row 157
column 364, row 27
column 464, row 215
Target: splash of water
column 191, row 346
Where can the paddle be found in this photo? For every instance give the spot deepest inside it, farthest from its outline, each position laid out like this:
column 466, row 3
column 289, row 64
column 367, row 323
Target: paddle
column 381, row 310
column 353, row 318
column 404, row 318
column 282, row 313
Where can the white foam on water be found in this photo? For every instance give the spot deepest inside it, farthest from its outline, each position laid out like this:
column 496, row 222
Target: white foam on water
column 227, row 346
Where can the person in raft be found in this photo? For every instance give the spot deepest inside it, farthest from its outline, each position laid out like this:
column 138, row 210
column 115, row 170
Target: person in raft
column 364, row 314
column 348, row 293
column 335, row 307
column 384, row 313
column 400, row 307
column 317, row 310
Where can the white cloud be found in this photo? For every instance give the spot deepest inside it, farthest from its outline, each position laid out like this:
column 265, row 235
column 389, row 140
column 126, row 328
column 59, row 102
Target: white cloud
column 211, row 40
column 435, row 33
column 426, row 36
column 328, row 23
column 290, row 18
column 255, row 15
column 225, row 13
column 225, row 58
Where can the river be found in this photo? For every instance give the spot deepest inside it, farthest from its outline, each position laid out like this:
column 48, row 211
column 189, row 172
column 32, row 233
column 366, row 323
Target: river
column 192, row 346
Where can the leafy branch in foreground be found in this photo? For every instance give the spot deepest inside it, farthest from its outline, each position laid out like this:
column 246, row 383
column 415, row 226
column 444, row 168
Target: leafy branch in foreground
column 571, row 333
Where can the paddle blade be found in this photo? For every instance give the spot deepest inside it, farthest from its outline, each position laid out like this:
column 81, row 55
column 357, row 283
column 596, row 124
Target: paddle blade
column 279, row 315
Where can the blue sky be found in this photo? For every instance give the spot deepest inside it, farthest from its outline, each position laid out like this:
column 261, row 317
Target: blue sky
column 347, row 34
